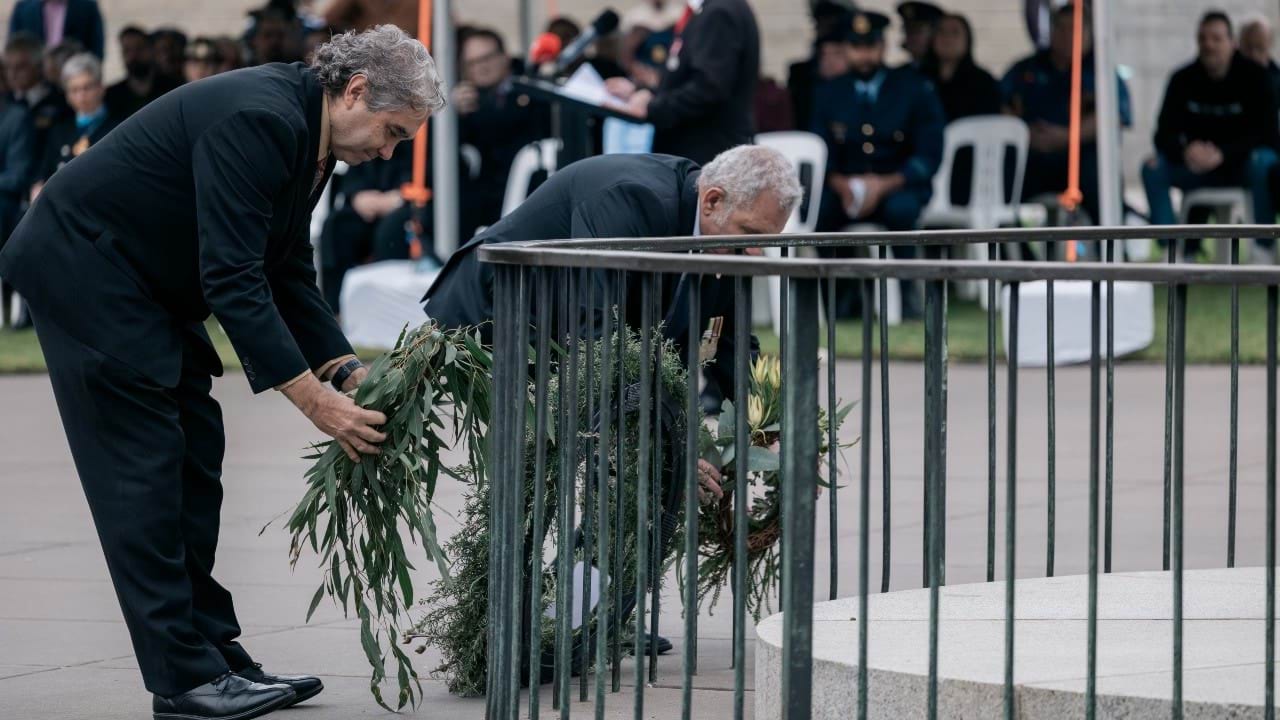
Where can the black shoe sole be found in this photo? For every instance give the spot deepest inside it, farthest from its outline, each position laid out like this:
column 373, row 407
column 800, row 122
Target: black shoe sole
column 302, row 698
column 259, row 711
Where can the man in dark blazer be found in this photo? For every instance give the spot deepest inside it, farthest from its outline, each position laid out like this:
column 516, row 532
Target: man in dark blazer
column 632, row 196
column 79, row 19
column 705, row 102
column 198, row 204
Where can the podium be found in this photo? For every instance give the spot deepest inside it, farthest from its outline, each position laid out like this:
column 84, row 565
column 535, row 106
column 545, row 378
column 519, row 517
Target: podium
column 573, row 119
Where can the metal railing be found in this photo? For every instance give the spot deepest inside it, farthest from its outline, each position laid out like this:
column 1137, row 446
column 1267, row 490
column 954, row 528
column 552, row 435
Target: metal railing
column 575, row 299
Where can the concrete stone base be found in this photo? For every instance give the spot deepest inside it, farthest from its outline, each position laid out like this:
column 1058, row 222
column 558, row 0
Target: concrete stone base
column 1223, row 649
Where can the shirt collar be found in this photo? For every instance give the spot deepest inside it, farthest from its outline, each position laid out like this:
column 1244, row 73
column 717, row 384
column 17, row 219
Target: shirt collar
column 323, row 154
column 871, row 87
column 697, row 222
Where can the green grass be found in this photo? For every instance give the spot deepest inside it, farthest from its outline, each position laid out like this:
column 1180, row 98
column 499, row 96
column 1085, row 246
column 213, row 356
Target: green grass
column 1208, row 334
column 20, row 351
column 1208, row 330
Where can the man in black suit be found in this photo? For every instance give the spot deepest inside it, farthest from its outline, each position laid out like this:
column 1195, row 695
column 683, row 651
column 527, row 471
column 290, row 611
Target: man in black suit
column 705, row 102
column 630, row 196
column 143, row 82
column 80, row 20
column 24, row 69
column 200, row 204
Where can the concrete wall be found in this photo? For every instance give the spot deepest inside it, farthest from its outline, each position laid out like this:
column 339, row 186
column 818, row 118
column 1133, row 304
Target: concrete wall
column 1153, row 36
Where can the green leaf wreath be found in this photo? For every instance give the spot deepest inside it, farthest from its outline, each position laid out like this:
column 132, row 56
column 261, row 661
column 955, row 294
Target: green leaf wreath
column 433, row 386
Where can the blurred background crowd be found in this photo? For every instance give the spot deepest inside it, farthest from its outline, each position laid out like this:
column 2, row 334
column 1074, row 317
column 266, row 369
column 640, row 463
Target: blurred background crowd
column 879, row 89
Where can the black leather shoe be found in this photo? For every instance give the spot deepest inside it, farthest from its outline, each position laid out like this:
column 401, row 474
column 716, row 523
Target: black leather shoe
column 304, row 687
column 230, row 697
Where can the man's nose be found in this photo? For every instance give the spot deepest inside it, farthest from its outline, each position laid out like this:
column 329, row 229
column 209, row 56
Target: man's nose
column 385, row 151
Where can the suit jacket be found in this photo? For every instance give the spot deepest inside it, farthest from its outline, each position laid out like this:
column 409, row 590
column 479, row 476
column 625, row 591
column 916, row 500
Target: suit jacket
column 199, row 203
column 705, row 102
column 83, row 22
column 609, row 196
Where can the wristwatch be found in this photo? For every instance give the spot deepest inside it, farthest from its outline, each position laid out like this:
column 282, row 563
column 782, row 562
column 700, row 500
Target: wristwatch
column 344, row 371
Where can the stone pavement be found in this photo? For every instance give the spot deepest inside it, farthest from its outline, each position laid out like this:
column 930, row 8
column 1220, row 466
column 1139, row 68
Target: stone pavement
column 64, row 652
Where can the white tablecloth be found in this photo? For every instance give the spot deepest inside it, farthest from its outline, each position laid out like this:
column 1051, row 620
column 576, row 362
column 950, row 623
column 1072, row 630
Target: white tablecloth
column 1135, row 324
column 380, row 299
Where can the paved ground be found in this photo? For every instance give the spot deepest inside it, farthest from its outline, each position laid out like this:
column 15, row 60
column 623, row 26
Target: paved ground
column 64, row 652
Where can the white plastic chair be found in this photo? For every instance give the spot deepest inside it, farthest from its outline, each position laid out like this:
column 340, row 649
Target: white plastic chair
column 808, row 154
column 540, row 155
column 990, row 136
column 1232, row 205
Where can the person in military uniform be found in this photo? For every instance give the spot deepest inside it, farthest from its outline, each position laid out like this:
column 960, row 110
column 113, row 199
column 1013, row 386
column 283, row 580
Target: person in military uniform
column 82, row 78
column 883, row 128
column 1038, row 90
column 828, row 60
column 919, row 22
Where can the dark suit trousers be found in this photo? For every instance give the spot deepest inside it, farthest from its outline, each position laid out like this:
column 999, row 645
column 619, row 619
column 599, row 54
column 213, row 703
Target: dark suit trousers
column 150, row 461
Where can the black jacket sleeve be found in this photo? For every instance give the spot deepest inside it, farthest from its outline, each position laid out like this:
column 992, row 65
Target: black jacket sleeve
column 714, row 61
column 305, row 312
column 240, row 165
column 1170, row 123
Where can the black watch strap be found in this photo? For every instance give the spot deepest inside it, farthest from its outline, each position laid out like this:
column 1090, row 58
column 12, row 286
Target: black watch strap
column 344, row 371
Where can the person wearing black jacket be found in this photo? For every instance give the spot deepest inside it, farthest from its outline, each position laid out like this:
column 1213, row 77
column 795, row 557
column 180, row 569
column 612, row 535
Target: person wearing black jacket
column 200, row 204
column 706, row 100
column 494, row 118
column 632, row 196
column 1217, row 127
column 964, row 88
column 82, row 80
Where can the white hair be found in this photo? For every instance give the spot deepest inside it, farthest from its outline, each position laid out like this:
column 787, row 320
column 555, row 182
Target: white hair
column 399, row 70
column 82, row 64
column 747, row 171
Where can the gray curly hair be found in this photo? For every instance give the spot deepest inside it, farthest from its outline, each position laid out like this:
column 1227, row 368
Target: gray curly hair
column 746, row 171
column 399, row 70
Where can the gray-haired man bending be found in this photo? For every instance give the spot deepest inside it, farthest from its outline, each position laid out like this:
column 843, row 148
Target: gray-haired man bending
column 200, row 204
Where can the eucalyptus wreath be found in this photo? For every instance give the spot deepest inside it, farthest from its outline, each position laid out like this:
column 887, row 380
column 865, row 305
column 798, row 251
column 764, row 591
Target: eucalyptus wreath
column 455, row 617
column 433, row 385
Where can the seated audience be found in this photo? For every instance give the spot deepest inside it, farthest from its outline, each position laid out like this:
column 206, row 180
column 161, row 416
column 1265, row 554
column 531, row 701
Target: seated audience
column 1255, row 44
column 1217, row 126
column 343, row 15
column 496, row 119
column 368, row 220
column 45, row 104
column 883, row 128
column 55, row 58
column 203, row 60
column 829, row 60
column 1038, row 90
column 82, row 78
column 55, row 22
column 142, row 82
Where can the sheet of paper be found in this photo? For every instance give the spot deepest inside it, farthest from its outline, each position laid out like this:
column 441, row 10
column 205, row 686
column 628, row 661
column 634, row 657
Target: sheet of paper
column 586, row 85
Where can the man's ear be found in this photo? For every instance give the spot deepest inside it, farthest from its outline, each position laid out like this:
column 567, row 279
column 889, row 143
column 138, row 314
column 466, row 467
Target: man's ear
column 712, row 200
column 357, row 88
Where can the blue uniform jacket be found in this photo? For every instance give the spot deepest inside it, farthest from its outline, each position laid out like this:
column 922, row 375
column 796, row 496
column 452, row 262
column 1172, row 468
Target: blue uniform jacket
column 894, row 125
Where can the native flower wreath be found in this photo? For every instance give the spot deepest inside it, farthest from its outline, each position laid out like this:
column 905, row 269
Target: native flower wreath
column 763, row 485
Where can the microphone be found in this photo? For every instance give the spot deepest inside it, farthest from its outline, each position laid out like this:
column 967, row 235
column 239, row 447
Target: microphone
column 545, row 49
column 606, row 23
